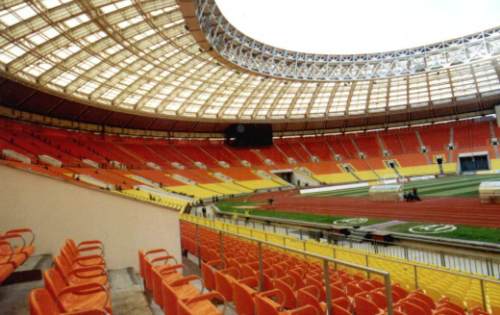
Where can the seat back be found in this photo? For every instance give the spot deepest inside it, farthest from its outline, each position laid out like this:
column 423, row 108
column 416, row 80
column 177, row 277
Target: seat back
column 306, row 298
column 42, row 303
column 243, row 299
column 364, row 306
column 265, row 306
column 62, row 266
column 410, row 308
column 290, row 300
column 224, row 284
column 208, row 276
column 54, row 282
column 339, row 310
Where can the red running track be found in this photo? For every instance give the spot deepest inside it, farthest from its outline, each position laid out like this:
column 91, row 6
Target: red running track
column 452, row 210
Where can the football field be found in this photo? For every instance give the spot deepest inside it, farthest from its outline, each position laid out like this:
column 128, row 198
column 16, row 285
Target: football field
column 450, row 208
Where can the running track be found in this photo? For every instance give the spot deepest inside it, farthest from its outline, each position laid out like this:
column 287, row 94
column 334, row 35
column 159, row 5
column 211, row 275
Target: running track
column 453, row 210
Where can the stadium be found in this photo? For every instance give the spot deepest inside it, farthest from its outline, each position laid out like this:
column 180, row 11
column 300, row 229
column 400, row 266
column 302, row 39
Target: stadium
column 157, row 157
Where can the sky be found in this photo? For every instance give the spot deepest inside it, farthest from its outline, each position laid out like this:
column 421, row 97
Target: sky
column 358, row 26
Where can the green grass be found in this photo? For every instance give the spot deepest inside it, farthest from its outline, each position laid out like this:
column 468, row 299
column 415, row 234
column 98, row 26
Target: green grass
column 463, row 232
column 231, row 207
column 452, row 186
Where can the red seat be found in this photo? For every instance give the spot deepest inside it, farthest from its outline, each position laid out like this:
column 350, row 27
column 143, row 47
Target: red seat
column 364, row 306
column 74, row 276
column 202, row 305
column 287, row 286
column 224, row 280
column 244, row 291
column 86, row 296
column 41, row 302
column 28, row 248
column 176, row 291
column 208, row 272
column 266, row 304
column 167, row 274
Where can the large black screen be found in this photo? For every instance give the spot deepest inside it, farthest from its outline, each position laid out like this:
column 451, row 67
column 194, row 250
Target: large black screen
column 249, row 135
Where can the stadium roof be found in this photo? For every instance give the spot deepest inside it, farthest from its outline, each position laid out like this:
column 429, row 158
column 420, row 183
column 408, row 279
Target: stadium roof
column 184, row 60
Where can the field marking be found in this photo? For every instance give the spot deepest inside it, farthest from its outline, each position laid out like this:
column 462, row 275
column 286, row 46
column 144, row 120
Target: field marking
column 351, row 221
column 432, row 228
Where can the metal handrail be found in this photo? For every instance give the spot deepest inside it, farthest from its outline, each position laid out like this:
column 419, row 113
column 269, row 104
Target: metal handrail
column 483, row 258
column 415, row 266
column 325, row 261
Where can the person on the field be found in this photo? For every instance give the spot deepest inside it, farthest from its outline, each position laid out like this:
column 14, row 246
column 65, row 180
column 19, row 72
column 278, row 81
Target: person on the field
column 415, row 194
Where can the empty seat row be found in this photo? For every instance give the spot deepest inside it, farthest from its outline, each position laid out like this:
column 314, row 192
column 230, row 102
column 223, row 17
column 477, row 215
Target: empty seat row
column 16, row 246
column 293, row 284
column 77, row 283
column 172, row 291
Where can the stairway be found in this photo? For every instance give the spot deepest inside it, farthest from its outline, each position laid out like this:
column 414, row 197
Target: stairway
column 421, row 143
column 493, row 135
column 452, row 138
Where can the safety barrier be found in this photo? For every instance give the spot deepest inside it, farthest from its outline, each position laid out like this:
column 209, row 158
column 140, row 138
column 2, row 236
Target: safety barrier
column 460, row 288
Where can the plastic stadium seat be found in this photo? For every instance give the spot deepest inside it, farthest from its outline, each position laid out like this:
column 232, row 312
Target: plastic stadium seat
column 150, row 259
column 266, row 304
column 202, row 305
column 178, row 290
column 286, row 285
column 80, row 275
column 224, row 280
column 82, row 255
column 423, row 297
column 41, row 302
column 28, row 248
column 478, row 311
column 447, row 311
column 15, row 254
column 364, row 306
column 244, row 291
column 208, row 272
column 79, row 297
column 410, row 308
column 446, row 304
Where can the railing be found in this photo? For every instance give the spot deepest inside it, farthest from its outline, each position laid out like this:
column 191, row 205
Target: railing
column 459, row 287
column 325, row 261
column 477, row 263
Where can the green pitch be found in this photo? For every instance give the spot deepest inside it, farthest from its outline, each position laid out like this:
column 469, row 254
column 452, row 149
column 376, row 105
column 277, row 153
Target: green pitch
column 452, row 186
column 462, row 232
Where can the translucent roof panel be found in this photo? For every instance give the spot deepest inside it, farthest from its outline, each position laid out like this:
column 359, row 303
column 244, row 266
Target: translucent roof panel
column 144, row 57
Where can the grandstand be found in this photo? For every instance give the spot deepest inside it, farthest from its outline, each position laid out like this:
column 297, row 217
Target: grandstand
column 169, row 163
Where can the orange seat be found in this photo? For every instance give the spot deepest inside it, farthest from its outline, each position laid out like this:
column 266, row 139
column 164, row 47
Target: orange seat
column 79, row 256
column 74, row 276
column 202, row 305
column 178, row 290
column 224, row 280
column 339, row 310
column 244, row 291
column 41, row 302
column 79, row 297
column 445, row 303
column 271, row 303
column 28, row 248
column 410, row 308
column 14, row 254
column 208, row 272
column 167, row 274
column 151, row 260
column 364, row 306
column 287, row 286
column 447, row 311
